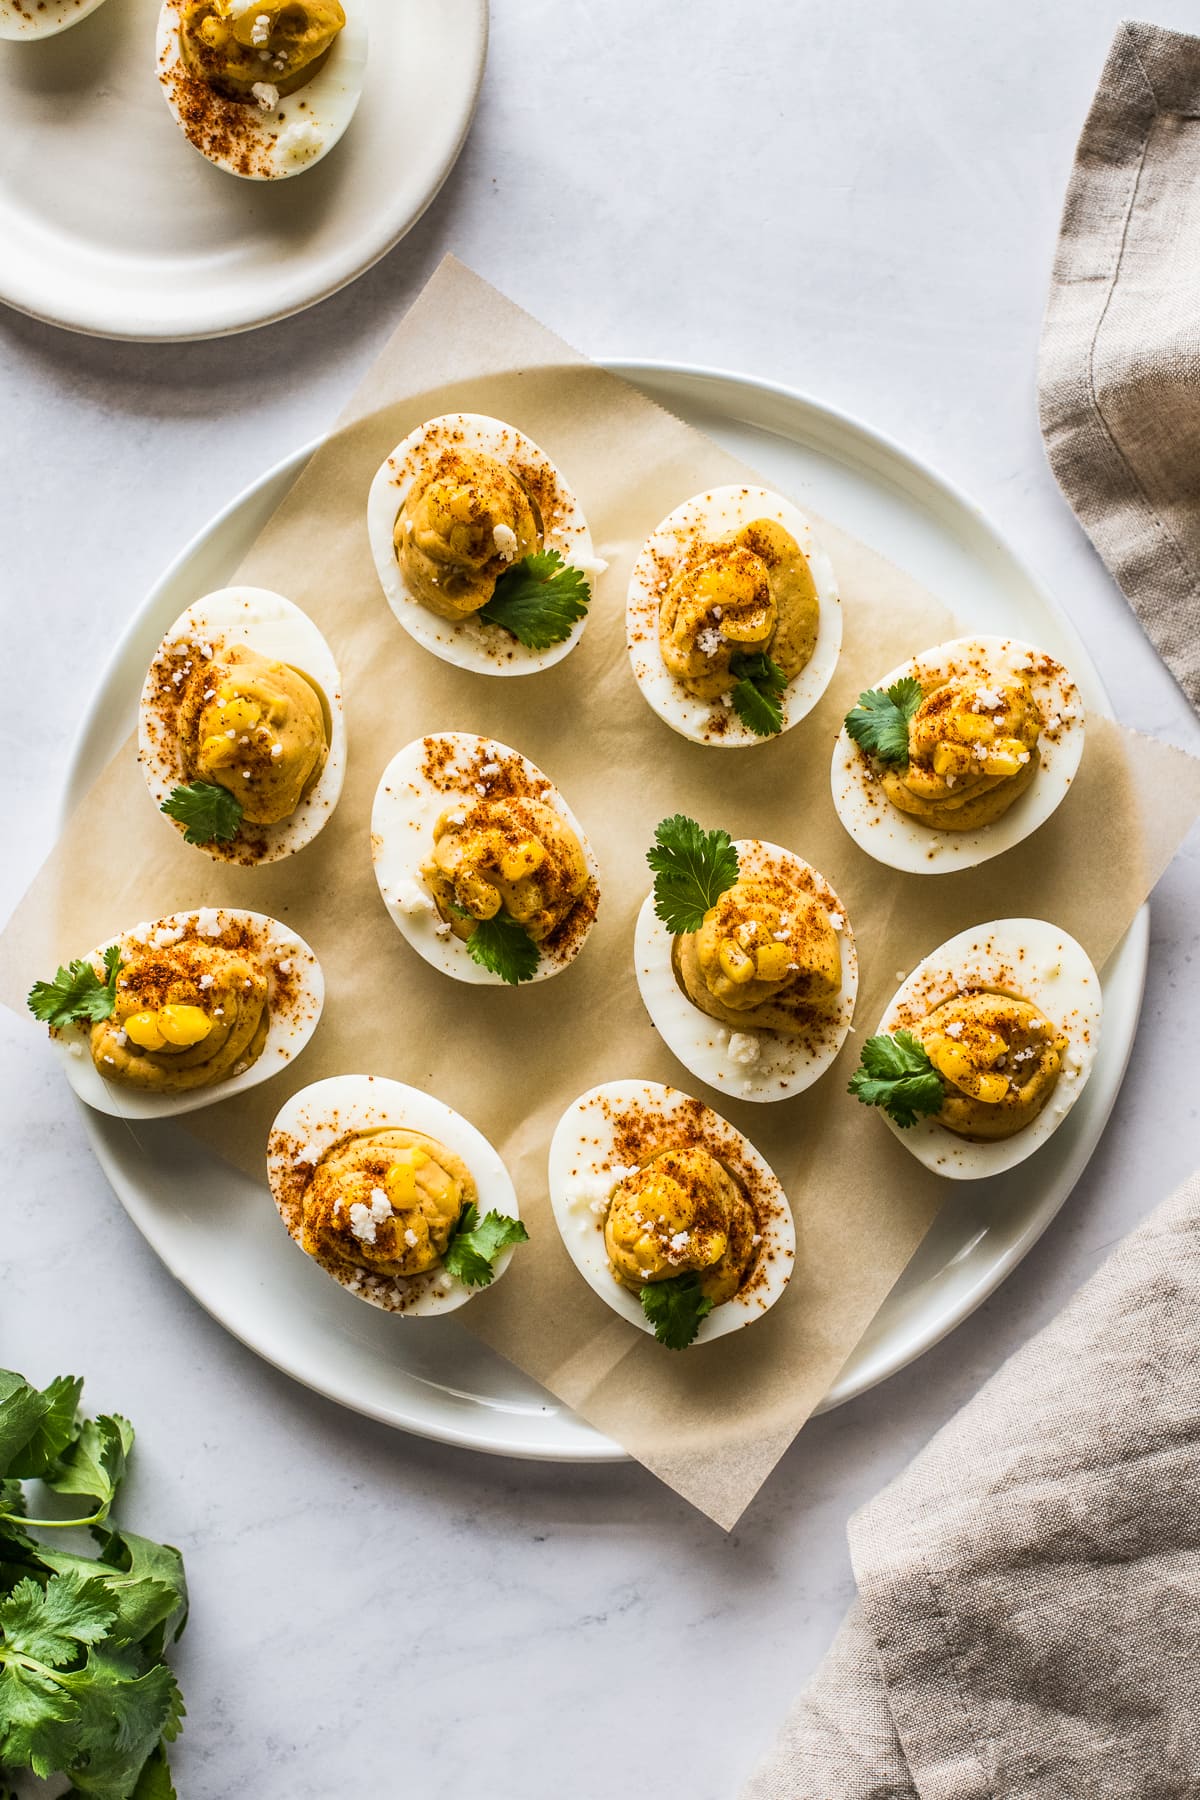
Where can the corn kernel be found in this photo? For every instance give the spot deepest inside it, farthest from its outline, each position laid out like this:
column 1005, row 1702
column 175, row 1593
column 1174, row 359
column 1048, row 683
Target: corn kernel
column 184, row 1026
column 142, row 1029
column 746, row 933
column 734, row 961
column 240, row 714
column 522, row 860
column 973, row 725
column 771, row 961
column 216, row 752
column 401, row 1184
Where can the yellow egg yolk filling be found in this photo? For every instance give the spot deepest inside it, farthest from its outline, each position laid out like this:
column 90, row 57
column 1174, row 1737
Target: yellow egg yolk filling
column 186, row 1015
column 235, row 48
column 468, row 520
column 999, row 1058
column 973, row 750
column 750, row 594
column 516, row 854
column 386, row 1202
column 681, row 1213
column 256, row 727
column 765, row 942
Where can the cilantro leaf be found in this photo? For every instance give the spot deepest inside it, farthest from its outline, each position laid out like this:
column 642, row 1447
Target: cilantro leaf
column 755, row 699
column 473, row 1250
column 55, row 1430
column 209, row 814
column 879, row 723
column 144, row 1583
column 539, row 599
column 51, row 1623
column 77, row 992
column 22, row 1410
column 504, row 947
column 37, row 1720
column 896, row 1074
column 675, row 1309
column 94, row 1464
column 692, row 869
column 154, row 1782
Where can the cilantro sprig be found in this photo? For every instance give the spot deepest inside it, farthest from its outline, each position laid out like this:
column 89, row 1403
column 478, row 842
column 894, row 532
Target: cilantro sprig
column 756, row 698
column 505, row 948
column 896, row 1074
column 84, row 1690
column 210, row 814
column 540, row 600
column 472, row 1252
column 879, row 723
column 692, row 869
column 77, row 992
column 675, row 1309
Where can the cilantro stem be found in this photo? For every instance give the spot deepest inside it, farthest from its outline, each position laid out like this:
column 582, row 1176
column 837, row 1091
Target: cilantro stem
column 96, row 1518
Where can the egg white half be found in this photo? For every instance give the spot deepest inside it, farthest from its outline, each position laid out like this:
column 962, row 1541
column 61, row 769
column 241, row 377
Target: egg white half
column 408, row 805
column 254, row 142
column 271, row 625
column 470, row 643
column 296, row 995
column 755, row 1064
column 890, row 836
column 1037, row 962
column 585, row 1168
column 707, row 518
column 42, row 18
column 321, row 1115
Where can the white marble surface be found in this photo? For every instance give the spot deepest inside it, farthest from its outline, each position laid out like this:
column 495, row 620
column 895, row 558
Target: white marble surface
column 849, row 195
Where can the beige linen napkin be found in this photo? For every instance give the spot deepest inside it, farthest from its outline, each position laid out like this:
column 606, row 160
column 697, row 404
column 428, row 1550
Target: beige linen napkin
column 1028, row 1624
column 1119, row 376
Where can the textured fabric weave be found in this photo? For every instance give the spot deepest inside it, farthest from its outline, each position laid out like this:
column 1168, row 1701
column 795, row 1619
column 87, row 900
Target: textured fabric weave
column 1119, row 376
column 1028, row 1624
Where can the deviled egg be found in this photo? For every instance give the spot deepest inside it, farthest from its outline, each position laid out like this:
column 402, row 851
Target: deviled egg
column 241, row 735
column 482, row 865
column 958, row 754
column 183, row 1011
column 262, row 88
column 668, row 1212
column 393, row 1194
column 733, row 619
column 23, row 20
column 745, row 962
column 481, row 547
column 983, row 1051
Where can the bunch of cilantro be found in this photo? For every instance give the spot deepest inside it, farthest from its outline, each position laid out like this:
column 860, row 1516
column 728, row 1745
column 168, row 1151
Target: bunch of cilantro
column 84, row 1690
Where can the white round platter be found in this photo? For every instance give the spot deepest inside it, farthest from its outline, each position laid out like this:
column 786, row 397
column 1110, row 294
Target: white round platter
column 112, row 224
column 213, row 1226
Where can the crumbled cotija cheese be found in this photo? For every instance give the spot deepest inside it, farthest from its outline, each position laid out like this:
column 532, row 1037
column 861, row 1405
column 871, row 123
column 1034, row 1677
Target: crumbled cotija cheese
column 267, row 95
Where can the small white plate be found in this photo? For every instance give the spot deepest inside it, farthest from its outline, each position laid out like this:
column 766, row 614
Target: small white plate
column 211, row 1225
column 112, row 224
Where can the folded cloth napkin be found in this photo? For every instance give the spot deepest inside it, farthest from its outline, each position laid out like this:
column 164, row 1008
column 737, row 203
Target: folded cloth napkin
column 1119, row 375
column 1028, row 1621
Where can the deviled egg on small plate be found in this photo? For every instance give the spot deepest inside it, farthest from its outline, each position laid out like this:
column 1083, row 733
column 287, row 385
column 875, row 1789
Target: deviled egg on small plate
column 958, row 754
column 392, row 1193
column 733, row 619
column 23, row 20
column 262, row 88
column 745, row 961
column 481, row 547
column 668, row 1212
column 985, row 1048
column 482, row 865
column 183, row 1011
column 241, row 734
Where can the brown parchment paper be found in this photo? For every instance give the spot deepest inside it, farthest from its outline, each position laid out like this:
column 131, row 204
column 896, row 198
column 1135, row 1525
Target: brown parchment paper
column 712, row 1422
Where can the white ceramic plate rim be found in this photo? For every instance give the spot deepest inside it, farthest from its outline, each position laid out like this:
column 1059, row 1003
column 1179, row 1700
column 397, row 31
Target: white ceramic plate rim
column 853, row 1380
